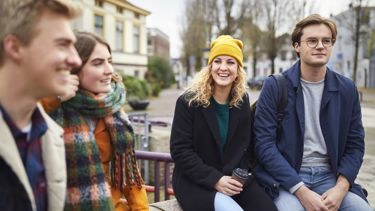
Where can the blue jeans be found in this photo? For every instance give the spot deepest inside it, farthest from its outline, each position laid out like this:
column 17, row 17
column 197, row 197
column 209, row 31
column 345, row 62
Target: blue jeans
column 319, row 180
column 225, row 203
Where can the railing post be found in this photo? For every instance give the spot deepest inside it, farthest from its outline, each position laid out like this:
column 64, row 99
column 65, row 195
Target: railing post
column 145, row 147
column 158, row 157
column 166, row 180
column 157, row 183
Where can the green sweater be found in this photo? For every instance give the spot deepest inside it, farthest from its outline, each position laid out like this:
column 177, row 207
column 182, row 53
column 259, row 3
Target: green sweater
column 222, row 115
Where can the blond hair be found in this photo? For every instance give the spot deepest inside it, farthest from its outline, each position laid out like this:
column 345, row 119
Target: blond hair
column 19, row 17
column 202, row 88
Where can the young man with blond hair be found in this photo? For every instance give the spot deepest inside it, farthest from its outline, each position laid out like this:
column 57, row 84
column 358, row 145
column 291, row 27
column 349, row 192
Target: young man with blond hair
column 315, row 161
column 36, row 56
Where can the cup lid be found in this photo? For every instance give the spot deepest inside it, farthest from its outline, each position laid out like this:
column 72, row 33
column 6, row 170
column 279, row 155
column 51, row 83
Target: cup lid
column 241, row 172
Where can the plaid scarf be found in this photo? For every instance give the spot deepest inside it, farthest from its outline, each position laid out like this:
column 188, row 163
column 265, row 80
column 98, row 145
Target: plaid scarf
column 87, row 187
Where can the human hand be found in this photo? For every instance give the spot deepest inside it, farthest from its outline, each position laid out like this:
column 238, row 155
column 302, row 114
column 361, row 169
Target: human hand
column 310, row 200
column 228, row 186
column 333, row 197
column 71, row 88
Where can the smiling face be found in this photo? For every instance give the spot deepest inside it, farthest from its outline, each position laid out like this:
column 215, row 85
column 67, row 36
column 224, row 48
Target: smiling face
column 224, row 71
column 50, row 56
column 96, row 75
column 318, row 56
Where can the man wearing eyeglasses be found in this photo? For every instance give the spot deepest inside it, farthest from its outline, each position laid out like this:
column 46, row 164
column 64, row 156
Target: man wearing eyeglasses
column 314, row 163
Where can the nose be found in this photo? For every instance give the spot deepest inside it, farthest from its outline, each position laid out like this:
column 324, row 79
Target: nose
column 223, row 66
column 73, row 58
column 320, row 44
column 108, row 69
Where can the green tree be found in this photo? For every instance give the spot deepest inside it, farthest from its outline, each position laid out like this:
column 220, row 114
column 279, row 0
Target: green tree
column 159, row 71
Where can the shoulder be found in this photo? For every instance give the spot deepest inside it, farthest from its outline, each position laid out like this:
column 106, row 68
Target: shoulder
column 245, row 101
column 344, row 84
column 52, row 125
column 185, row 98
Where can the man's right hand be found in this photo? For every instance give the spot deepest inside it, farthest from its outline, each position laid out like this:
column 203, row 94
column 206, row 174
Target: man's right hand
column 71, row 88
column 310, row 200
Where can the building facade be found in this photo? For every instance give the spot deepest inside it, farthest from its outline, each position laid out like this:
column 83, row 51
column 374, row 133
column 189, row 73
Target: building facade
column 158, row 43
column 123, row 26
column 342, row 58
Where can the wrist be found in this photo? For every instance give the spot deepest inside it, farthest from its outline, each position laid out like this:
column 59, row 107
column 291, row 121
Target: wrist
column 300, row 191
column 343, row 183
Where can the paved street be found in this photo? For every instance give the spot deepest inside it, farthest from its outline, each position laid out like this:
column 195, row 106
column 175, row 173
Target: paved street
column 162, row 109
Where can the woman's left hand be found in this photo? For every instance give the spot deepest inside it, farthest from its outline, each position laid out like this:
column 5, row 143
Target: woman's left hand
column 228, row 186
column 71, row 88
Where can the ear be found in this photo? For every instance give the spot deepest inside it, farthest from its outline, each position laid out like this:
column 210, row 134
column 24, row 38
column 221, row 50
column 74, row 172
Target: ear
column 12, row 47
column 296, row 47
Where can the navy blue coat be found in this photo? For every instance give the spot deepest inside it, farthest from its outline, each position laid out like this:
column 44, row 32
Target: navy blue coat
column 340, row 121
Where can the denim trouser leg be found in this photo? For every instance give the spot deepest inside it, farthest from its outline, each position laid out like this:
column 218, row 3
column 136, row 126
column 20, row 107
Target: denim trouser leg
column 319, row 179
column 225, row 203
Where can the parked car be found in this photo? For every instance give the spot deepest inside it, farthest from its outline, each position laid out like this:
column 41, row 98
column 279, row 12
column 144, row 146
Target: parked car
column 256, row 82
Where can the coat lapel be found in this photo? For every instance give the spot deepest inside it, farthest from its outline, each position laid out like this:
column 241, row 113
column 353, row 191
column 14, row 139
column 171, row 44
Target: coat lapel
column 210, row 116
column 294, row 76
column 234, row 116
column 300, row 108
column 11, row 156
column 53, row 154
column 330, row 89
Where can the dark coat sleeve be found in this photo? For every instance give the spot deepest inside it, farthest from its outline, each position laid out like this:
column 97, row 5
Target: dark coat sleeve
column 186, row 159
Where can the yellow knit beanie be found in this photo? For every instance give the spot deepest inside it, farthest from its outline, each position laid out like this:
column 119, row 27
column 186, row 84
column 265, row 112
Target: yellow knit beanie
column 226, row 45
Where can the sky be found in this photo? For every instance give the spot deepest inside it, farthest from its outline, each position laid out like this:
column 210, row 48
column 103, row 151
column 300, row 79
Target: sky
column 167, row 16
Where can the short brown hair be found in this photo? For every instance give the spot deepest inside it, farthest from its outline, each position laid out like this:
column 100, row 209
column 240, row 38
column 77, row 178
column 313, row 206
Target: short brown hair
column 86, row 42
column 314, row 19
column 19, row 17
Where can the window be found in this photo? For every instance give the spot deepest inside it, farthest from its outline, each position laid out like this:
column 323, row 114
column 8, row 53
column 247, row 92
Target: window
column 136, row 39
column 119, row 35
column 136, row 73
column 283, row 55
column 99, row 25
column 99, row 3
column 119, row 9
column 136, row 15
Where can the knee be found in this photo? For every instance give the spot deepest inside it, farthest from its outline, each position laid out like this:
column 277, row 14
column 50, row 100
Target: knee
column 223, row 202
column 287, row 201
column 354, row 202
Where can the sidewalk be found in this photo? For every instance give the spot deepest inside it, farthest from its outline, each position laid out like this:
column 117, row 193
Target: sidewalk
column 162, row 109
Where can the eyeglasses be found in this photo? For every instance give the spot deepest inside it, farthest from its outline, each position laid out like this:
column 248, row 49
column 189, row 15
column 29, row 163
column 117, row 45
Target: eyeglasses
column 313, row 42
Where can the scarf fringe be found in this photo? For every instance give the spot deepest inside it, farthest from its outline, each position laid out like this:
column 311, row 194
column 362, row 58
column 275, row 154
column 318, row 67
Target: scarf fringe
column 124, row 171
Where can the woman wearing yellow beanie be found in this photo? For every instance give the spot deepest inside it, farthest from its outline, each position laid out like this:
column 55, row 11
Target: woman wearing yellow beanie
column 211, row 136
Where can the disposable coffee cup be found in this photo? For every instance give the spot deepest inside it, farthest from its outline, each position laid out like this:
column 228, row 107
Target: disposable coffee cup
column 241, row 175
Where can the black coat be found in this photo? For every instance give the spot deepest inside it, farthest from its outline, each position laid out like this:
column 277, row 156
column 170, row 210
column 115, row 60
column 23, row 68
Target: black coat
column 13, row 196
column 199, row 161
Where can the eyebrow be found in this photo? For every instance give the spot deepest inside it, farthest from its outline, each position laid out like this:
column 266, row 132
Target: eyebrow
column 224, row 58
column 65, row 40
column 101, row 59
column 318, row 38
column 97, row 59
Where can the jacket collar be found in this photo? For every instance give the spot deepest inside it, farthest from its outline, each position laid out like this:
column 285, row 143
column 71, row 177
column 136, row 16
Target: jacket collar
column 294, row 75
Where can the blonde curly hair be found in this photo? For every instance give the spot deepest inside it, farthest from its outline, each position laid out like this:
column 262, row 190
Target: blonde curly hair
column 202, row 88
